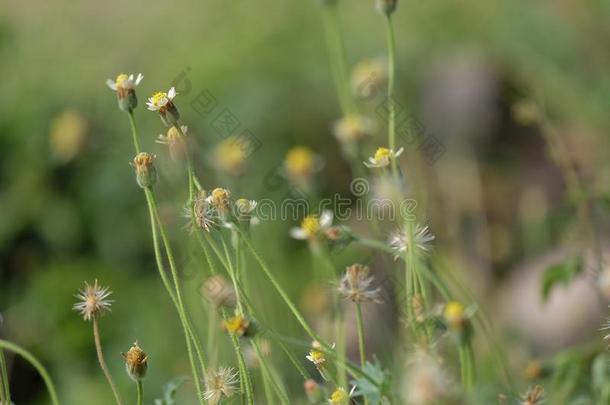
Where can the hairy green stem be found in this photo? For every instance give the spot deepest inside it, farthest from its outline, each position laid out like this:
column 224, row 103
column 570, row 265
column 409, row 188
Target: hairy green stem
column 6, row 345
column 266, row 373
column 5, row 392
column 103, row 366
column 134, row 131
column 391, row 43
column 140, row 389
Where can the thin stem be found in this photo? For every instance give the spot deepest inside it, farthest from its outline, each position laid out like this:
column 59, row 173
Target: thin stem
column 36, row 364
column 100, row 358
column 335, row 57
column 391, row 43
column 360, row 327
column 5, row 391
column 134, row 131
column 140, row 389
column 189, row 334
column 267, row 374
column 279, row 288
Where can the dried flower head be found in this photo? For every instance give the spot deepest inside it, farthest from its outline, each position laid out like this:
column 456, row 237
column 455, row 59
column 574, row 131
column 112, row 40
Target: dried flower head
column 218, row 291
column 174, row 139
column 230, row 155
column 534, row 396
column 125, row 86
column 136, row 362
column 238, row 325
column 146, row 173
column 220, row 199
column 163, row 103
column 202, row 214
column 386, row 7
column 220, row 384
column 313, row 226
column 93, row 301
column 400, row 240
column 383, row 157
column 353, row 128
column 356, row 283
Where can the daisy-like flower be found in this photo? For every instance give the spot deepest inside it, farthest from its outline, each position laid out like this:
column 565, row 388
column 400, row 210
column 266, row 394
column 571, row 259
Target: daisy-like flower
column 136, row 362
column 125, row 87
column 243, row 210
column 163, row 103
column 534, row 396
column 353, row 128
column 340, row 396
column 316, row 355
column 174, row 139
column 220, row 384
column 313, row 226
column 400, row 240
column 355, row 285
column 93, row 301
column 383, row 157
column 301, row 163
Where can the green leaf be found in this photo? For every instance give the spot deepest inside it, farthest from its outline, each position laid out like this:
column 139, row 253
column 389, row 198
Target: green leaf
column 373, row 392
column 562, row 273
column 169, row 391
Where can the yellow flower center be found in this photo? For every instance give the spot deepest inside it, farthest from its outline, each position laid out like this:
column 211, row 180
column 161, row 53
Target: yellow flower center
column 338, row 396
column 158, row 96
column 120, row 79
column 311, row 225
column 382, row 154
column 236, row 325
column 454, row 313
column 299, row 161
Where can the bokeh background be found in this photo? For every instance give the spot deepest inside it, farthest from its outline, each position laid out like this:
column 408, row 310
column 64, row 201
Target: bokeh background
column 71, row 211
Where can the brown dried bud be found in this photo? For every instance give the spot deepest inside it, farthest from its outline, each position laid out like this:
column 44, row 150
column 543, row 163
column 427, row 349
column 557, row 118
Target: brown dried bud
column 136, row 362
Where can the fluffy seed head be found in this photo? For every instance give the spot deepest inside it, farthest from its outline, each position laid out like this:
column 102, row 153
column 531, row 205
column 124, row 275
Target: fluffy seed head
column 356, row 283
column 400, row 240
column 136, row 362
column 93, row 301
column 220, row 384
column 202, row 214
column 534, row 396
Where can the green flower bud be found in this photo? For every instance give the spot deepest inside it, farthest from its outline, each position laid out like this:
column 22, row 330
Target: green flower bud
column 146, row 173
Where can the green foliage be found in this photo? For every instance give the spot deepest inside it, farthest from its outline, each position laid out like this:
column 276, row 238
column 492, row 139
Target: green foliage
column 373, row 392
column 562, row 273
column 170, row 390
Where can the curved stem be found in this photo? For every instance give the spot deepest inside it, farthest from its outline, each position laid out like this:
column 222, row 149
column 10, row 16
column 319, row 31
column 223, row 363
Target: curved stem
column 5, row 345
column 5, row 391
column 267, row 377
column 140, row 389
column 100, row 358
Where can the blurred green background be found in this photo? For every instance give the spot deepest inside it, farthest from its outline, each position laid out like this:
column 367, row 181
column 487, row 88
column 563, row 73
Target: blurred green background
column 71, row 211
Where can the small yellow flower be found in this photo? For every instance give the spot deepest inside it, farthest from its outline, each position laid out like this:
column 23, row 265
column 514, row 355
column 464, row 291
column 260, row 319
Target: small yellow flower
column 124, row 86
column 163, row 103
column 338, row 397
column 316, row 356
column 454, row 314
column 300, row 162
column 221, row 200
column 230, row 156
column 382, row 157
column 236, row 325
column 313, row 226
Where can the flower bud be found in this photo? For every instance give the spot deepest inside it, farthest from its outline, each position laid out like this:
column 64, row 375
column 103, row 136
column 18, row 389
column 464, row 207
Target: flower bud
column 312, row 391
column 136, row 362
column 386, row 7
column 146, row 173
column 125, row 88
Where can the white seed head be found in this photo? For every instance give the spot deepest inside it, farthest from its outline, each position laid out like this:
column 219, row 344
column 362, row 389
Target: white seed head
column 93, row 301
